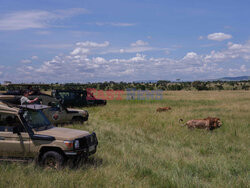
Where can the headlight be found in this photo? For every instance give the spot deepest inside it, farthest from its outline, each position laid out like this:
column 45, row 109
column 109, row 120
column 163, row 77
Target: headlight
column 69, row 144
column 85, row 113
column 77, row 145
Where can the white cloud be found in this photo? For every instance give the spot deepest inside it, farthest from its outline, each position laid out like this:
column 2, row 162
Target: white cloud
column 87, row 47
column 35, row 19
column 89, row 44
column 233, row 51
column 243, row 68
column 26, row 61
column 137, row 49
column 77, row 66
column 190, row 55
column 80, row 68
column 99, row 60
column 80, row 51
column 138, row 57
column 139, row 43
column 34, row 57
column 237, row 71
column 219, row 36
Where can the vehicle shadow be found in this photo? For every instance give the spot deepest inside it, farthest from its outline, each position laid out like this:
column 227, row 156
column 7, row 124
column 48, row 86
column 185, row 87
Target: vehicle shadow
column 11, row 161
column 83, row 164
column 73, row 124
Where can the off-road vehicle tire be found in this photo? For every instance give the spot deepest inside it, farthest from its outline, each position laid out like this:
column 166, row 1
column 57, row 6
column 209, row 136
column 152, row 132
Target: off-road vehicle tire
column 85, row 118
column 52, row 160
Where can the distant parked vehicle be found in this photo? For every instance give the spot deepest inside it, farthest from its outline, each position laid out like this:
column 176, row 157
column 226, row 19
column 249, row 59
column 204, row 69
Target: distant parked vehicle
column 56, row 113
column 77, row 98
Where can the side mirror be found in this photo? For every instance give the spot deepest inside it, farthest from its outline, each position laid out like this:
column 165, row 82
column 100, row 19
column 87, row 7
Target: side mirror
column 16, row 130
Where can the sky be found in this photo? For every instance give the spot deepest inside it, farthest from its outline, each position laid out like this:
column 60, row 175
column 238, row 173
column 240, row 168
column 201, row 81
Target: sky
column 83, row 41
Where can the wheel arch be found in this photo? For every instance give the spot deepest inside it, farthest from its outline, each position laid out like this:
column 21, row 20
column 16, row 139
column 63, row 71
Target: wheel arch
column 45, row 149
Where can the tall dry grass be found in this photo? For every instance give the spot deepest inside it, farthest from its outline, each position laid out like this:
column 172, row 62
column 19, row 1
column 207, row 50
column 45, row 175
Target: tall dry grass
column 139, row 147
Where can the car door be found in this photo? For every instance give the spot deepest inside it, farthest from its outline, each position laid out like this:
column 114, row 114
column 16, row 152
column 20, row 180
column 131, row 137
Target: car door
column 64, row 116
column 13, row 144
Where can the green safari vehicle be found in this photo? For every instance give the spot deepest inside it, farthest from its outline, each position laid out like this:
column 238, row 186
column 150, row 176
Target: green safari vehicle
column 57, row 113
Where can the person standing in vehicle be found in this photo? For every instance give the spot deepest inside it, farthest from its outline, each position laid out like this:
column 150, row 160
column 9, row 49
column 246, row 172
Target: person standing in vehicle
column 24, row 99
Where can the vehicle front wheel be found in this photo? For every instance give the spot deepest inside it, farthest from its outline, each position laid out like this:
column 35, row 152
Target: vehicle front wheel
column 52, row 160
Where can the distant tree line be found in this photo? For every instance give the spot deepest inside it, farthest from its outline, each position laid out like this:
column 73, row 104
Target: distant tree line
column 161, row 84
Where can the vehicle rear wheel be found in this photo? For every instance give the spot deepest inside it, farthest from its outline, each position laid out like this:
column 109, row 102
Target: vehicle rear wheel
column 52, row 160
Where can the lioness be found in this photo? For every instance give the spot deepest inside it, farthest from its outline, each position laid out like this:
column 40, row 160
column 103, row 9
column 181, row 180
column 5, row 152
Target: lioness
column 161, row 109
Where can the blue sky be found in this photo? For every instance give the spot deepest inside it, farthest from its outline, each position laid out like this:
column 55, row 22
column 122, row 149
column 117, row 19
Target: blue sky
column 123, row 40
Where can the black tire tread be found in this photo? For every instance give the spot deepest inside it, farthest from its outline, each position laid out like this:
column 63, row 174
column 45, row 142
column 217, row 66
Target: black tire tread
column 57, row 156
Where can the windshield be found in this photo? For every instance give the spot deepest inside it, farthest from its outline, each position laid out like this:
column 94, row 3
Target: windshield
column 36, row 119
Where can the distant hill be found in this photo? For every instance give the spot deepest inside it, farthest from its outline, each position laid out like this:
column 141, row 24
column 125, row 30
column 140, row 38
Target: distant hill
column 239, row 78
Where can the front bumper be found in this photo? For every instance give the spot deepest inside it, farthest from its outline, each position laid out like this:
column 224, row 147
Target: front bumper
column 88, row 146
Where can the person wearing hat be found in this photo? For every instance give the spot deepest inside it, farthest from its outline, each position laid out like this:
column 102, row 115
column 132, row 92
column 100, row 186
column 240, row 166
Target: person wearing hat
column 24, row 99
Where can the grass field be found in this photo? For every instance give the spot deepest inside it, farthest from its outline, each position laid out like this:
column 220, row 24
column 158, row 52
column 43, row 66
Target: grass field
column 141, row 148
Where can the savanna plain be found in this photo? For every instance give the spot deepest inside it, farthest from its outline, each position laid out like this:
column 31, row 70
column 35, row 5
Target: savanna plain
column 139, row 147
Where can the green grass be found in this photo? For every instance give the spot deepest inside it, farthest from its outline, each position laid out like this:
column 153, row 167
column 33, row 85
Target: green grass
column 139, row 147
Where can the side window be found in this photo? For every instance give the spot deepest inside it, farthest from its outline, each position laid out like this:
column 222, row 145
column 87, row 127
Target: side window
column 8, row 122
column 64, row 95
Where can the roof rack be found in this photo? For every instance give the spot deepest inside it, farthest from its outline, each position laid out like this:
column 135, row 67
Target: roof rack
column 34, row 106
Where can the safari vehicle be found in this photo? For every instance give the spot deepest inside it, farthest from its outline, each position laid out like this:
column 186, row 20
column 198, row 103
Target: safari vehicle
column 77, row 98
column 57, row 113
column 26, row 133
